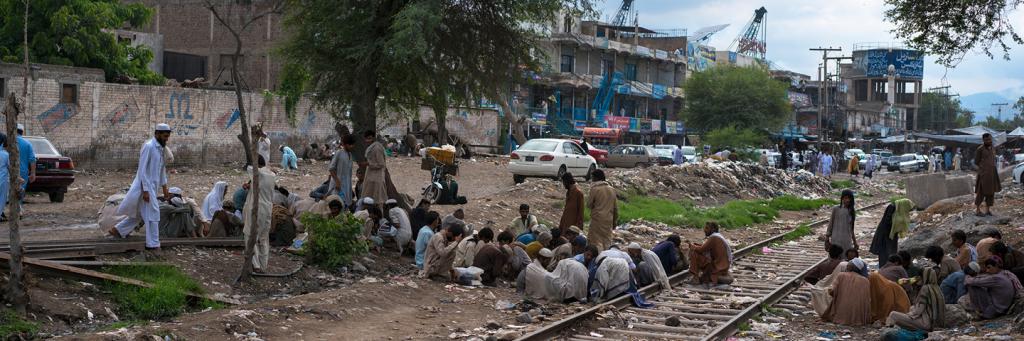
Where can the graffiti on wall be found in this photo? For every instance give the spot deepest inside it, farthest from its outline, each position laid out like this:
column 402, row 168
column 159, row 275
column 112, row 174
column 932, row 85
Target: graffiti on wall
column 124, row 112
column 54, row 117
column 309, row 123
column 179, row 114
column 228, row 119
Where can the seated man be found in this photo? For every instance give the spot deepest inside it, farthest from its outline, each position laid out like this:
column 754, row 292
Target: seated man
column 225, row 223
column 965, row 252
column 908, row 264
column 668, row 253
column 893, row 270
column 534, row 247
column 826, row 268
column 437, row 264
column 1013, row 259
column 424, row 235
column 648, row 267
column 989, row 294
column 710, row 261
column 531, row 281
column 177, row 219
column 850, row 292
column 947, row 265
column 525, row 222
column 518, row 258
column 610, row 279
column 403, row 226
column 489, row 257
column 450, row 192
column 953, row 287
column 852, row 254
column 568, row 282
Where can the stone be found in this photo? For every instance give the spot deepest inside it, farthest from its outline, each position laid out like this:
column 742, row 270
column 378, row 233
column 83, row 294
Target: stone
column 492, row 324
column 358, row 267
column 924, row 190
column 673, row 321
column 956, row 316
column 508, row 336
column 524, row 318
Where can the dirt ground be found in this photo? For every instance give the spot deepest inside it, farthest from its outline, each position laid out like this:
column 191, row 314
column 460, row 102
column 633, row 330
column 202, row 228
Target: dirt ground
column 386, row 300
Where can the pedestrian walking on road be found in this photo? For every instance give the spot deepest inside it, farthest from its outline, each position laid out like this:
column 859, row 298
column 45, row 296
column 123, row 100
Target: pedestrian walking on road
column 604, row 211
column 841, row 224
column 986, row 183
column 140, row 204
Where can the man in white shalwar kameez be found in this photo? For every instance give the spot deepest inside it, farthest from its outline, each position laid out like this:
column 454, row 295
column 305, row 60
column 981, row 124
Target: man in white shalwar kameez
column 266, row 201
column 610, row 280
column 568, row 281
column 140, row 203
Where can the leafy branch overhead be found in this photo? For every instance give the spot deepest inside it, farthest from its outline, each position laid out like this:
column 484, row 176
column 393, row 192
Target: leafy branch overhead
column 77, row 33
column 950, row 29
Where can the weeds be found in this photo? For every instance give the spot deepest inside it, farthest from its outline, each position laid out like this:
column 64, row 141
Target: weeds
column 13, row 327
column 333, row 242
column 734, row 214
column 166, row 298
column 800, row 231
column 842, row 184
column 792, row 203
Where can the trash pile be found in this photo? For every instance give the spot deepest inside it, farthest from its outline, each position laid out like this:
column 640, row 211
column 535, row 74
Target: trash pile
column 715, row 180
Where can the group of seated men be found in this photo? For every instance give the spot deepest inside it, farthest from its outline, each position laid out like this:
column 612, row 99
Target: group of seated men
column 982, row 280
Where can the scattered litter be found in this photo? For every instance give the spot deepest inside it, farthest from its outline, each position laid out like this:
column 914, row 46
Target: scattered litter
column 504, row 305
column 826, row 335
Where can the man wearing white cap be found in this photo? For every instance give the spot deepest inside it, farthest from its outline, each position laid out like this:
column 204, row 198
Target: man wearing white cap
column 400, row 218
column 532, row 281
column 648, row 266
column 140, row 204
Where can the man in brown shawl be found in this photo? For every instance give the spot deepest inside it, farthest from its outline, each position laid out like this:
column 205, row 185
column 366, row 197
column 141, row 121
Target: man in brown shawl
column 986, row 183
column 374, row 185
column 604, row 211
column 572, row 213
column 849, row 290
column 710, row 261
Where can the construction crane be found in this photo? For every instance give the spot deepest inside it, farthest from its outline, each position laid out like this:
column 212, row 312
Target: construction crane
column 611, row 80
column 752, row 39
column 625, row 12
column 702, row 35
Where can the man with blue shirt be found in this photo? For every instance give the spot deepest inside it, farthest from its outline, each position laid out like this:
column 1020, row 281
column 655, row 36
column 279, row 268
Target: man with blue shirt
column 26, row 161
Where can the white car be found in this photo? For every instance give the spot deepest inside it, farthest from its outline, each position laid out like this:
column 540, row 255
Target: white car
column 1018, row 170
column 690, row 154
column 849, row 153
column 550, row 158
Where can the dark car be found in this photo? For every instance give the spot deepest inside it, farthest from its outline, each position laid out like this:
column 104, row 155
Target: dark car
column 894, row 162
column 54, row 172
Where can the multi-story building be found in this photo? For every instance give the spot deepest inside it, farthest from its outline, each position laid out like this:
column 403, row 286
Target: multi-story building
column 621, row 77
column 881, row 89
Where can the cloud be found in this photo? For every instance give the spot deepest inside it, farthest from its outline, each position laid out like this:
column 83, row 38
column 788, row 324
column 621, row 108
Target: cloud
column 794, row 26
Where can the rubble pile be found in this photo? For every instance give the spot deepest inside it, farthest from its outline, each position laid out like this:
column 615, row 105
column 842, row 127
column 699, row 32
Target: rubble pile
column 714, row 180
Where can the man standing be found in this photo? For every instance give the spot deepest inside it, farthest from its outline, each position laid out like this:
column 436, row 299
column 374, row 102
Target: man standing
column 572, row 212
column 140, row 204
column 604, row 211
column 263, row 147
column 677, row 156
column 710, row 261
column 262, row 225
column 373, row 181
column 524, row 223
column 26, row 161
column 288, row 158
column 341, row 171
column 986, row 183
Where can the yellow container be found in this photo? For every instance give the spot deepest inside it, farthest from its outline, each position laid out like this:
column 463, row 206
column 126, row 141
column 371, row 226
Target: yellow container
column 444, row 156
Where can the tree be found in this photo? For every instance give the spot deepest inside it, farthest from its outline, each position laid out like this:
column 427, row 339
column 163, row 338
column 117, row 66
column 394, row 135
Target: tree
column 951, row 28
column 734, row 139
column 403, row 54
column 77, row 33
column 236, row 17
column 16, row 293
column 939, row 112
column 740, row 97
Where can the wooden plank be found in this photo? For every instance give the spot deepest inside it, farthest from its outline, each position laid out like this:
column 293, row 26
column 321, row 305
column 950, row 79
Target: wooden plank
column 684, row 314
column 646, row 334
column 100, row 264
column 61, row 270
column 663, row 328
column 661, row 319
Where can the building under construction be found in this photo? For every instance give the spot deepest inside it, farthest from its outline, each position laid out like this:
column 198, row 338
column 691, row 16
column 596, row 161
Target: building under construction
column 881, row 90
column 625, row 80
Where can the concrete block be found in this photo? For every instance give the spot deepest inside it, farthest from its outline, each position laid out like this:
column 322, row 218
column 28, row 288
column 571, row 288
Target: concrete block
column 925, row 190
column 959, row 185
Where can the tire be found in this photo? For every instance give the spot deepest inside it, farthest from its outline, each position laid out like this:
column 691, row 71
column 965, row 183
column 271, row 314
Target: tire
column 56, row 196
column 590, row 172
column 560, row 174
column 642, row 165
column 518, row 179
column 431, row 193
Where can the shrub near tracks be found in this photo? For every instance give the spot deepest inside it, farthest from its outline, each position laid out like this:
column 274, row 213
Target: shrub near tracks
column 333, row 242
column 167, row 298
column 734, row 214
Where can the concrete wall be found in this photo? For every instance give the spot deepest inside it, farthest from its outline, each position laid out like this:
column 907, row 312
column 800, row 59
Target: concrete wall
column 925, row 190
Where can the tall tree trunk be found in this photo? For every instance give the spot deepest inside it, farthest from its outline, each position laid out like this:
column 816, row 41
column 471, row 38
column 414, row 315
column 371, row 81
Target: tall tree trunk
column 440, row 109
column 249, row 142
column 16, row 292
column 516, row 120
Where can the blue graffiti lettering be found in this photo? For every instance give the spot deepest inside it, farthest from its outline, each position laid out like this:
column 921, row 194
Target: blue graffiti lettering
column 174, row 103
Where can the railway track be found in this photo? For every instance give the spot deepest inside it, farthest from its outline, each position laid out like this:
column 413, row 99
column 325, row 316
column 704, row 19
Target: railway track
column 89, row 248
column 761, row 280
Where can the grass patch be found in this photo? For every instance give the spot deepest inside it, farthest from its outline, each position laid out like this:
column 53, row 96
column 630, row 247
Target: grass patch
column 842, row 184
column 743, row 327
column 13, row 327
column 734, row 214
column 167, row 298
column 800, row 231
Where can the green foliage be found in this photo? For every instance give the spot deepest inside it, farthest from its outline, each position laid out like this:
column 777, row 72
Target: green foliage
column 939, row 112
column 13, row 327
column 800, row 231
column 735, row 139
column 333, row 242
column 842, row 184
column 294, row 78
column 167, row 298
column 74, row 33
column 734, row 214
column 949, row 29
column 740, row 97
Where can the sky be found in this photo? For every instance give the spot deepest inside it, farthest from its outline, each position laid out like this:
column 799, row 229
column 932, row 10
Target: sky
column 794, row 26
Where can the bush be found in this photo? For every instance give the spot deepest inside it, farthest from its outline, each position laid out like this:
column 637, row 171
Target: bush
column 734, row 214
column 740, row 141
column 333, row 242
column 13, row 327
column 842, row 184
column 792, row 203
column 167, row 298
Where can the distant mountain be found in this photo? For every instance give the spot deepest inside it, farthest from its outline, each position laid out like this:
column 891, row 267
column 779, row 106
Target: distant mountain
column 981, row 104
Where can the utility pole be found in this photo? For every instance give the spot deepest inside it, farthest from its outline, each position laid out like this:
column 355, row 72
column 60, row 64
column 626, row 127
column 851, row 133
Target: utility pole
column 823, row 88
column 946, row 120
column 999, row 107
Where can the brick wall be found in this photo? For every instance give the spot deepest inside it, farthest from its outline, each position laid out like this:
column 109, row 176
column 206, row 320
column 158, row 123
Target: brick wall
column 110, row 122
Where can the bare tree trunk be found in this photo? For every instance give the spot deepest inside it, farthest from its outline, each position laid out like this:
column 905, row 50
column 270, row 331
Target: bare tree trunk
column 16, row 291
column 517, row 121
column 440, row 109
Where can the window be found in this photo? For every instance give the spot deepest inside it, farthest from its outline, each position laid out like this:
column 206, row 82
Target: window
column 568, row 24
column 567, row 149
column 3, row 88
column 631, row 71
column 567, row 63
column 860, row 89
column 69, row 93
column 607, row 66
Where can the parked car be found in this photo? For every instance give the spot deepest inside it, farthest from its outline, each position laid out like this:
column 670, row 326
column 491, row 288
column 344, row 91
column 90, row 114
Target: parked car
column 600, row 155
column 849, row 153
column 632, row 155
column 1017, row 158
column 690, row 154
column 1018, row 170
column 916, row 164
column 550, row 158
column 895, row 161
column 54, row 172
column 664, row 157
